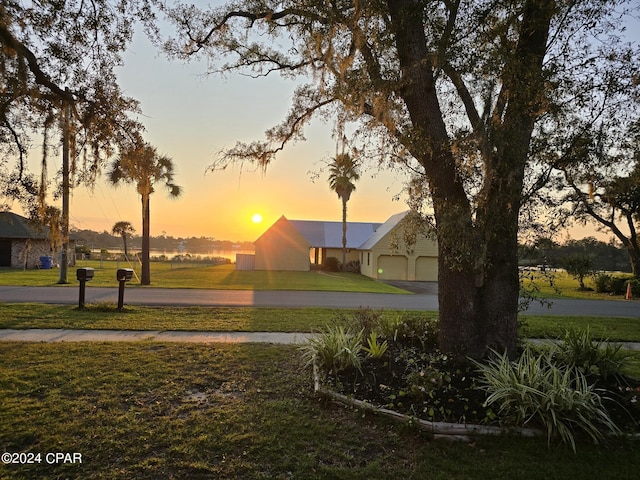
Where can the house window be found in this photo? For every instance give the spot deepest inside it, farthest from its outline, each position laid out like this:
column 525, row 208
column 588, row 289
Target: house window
column 368, row 258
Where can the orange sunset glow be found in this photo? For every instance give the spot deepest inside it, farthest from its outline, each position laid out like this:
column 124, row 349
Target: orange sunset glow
column 203, row 117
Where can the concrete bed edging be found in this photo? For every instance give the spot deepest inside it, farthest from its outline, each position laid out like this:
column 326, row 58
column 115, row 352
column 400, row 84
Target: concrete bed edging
column 439, row 430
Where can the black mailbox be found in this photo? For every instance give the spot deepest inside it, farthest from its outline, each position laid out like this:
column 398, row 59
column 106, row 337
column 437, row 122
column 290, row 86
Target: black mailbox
column 84, row 274
column 124, row 274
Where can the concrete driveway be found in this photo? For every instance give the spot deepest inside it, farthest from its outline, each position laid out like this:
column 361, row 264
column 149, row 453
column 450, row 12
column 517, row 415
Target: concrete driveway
column 428, row 288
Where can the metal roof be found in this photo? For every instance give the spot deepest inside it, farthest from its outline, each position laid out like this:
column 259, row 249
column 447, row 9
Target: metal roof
column 329, row 234
column 385, row 228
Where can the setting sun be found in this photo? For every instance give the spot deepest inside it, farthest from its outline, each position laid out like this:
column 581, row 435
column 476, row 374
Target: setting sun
column 257, row 218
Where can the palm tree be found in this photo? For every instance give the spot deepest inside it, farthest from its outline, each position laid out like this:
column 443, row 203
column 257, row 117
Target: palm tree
column 343, row 171
column 123, row 229
column 142, row 165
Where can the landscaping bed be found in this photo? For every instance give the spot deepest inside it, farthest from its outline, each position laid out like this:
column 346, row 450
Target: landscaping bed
column 429, row 387
column 419, row 384
column 575, row 389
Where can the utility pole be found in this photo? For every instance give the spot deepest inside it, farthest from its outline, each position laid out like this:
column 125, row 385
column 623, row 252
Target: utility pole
column 65, row 189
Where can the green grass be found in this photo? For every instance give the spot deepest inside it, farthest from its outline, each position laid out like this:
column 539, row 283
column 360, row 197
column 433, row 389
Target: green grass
column 601, row 328
column 246, row 319
column 225, row 277
column 224, row 319
column 150, row 411
column 562, row 285
column 222, row 277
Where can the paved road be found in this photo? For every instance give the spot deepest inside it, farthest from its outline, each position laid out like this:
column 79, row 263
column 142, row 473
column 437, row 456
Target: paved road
column 184, row 297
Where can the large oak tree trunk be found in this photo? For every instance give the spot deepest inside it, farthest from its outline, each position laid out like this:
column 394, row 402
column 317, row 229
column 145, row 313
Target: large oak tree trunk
column 478, row 271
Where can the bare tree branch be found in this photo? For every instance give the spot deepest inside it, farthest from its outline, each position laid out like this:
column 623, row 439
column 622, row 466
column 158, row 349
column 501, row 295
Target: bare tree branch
column 262, row 153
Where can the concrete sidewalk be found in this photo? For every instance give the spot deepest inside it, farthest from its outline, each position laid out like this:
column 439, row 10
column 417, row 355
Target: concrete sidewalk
column 68, row 335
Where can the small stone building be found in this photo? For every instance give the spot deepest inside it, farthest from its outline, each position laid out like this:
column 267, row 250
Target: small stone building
column 22, row 243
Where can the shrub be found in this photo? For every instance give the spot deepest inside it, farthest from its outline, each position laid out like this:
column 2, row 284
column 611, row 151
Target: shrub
column 603, row 283
column 411, row 329
column 616, row 285
column 601, row 359
column 340, row 346
column 374, row 348
column 366, row 319
column 83, row 249
column 534, row 390
column 352, row 266
column 407, row 329
column 619, row 285
column 331, row 264
column 437, row 388
column 333, row 350
column 188, row 258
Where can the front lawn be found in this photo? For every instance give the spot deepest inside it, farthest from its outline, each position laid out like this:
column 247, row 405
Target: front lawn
column 151, row 411
column 194, row 275
column 215, row 319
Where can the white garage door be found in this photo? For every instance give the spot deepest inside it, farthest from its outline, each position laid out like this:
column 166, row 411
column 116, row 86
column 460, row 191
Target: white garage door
column 427, row 269
column 392, row 267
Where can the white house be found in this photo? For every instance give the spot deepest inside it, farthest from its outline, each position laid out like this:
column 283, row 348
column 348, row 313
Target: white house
column 385, row 256
column 295, row 245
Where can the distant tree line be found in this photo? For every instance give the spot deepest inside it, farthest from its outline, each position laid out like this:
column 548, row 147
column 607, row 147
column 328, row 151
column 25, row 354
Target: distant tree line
column 601, row 255
column 99, row 240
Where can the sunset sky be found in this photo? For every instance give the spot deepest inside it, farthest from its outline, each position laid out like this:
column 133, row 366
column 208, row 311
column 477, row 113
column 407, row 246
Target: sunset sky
column 190, row 117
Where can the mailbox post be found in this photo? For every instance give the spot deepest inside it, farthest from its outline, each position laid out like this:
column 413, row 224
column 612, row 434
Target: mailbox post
column 123, row 275
column 83, row 275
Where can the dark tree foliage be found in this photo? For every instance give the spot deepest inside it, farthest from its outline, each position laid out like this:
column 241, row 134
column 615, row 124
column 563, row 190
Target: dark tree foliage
column 605, row 256
column 602, row 179
column 579, row 266
column 57, row 55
